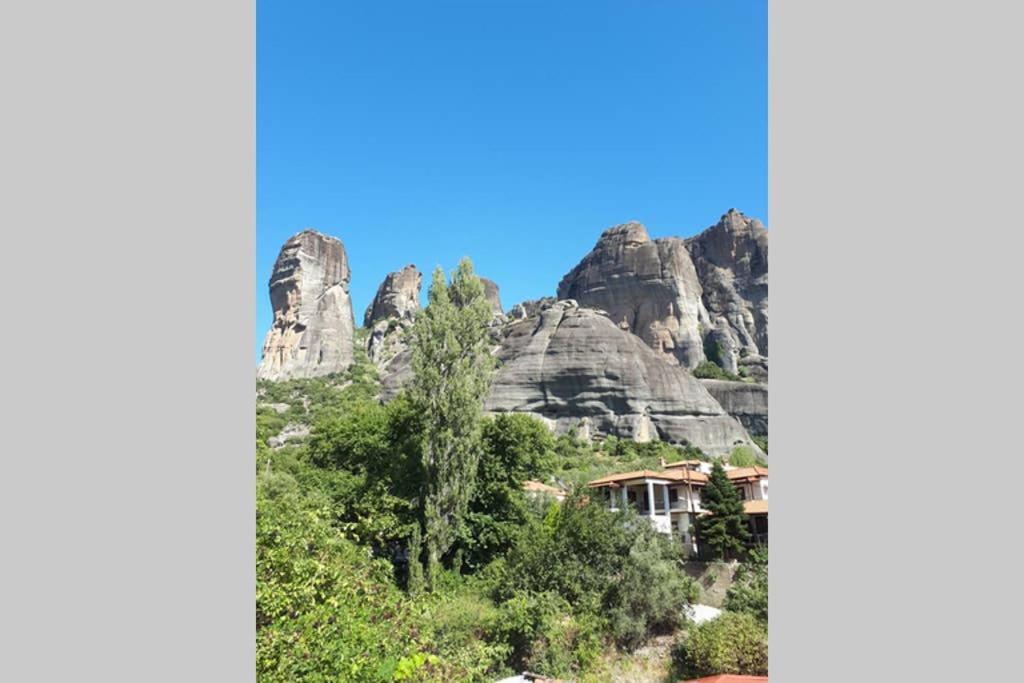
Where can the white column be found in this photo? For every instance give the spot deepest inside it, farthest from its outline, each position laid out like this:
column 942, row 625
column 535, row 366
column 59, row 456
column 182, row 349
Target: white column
column 625, row 497
column 650, row 498
column 664, row 498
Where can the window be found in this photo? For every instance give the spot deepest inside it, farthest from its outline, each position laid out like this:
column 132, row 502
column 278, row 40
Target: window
column 743, row 492
column 673, row 495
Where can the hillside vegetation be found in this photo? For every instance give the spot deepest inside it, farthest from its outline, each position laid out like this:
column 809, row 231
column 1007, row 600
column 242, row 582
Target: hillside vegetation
column 349, row 588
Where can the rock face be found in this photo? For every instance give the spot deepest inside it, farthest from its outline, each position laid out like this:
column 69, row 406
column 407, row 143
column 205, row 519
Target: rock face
column 397, row 297
column 574, row 367
column 649, row 287
column 313, row 324
column 493, row 296
column 731, row 259
column 530, row 307
column 701, row 298
column 746, row 401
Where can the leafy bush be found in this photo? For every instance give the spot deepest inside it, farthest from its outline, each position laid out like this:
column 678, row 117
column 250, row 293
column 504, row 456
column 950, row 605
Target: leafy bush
column 324, row 609
column 613, row 568
column 651, row 594
column 732, row 643
column 749, row 591
column 545, row 636
column 711, row 370
column 745, row 456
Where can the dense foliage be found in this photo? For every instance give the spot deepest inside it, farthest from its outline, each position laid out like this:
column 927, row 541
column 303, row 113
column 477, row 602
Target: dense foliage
column 733, row 643
column 710, row 370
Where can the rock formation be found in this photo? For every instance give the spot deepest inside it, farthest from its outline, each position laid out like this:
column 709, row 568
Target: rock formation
column 397, row 297
column 701, row 298
column 746, row 401
column 530, row 307
column 649, row 287
column 313, row 323
column 731, row 259
column 574, row 367
column 493, row 297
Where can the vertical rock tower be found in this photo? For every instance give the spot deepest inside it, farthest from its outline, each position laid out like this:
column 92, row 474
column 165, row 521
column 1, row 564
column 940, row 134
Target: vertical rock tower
column 397, row 297
column 731, row 258
column 648, row 287
column 313, row 328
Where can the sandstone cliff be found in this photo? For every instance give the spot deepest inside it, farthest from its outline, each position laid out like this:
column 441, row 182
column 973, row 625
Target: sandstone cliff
column 731, row 258
column 689, row 300
column 649, row 287
column 390, row 318
column 493, row 296
column 574, row 367
column 746, row 401
column 397, row 297
column 313, row 324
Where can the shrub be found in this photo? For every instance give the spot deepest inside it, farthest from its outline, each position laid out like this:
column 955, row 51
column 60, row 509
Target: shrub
column 749, row 591
column 324, row 609
column 710, row 370
column 742, row 456
column 733, row 643
column 613, row 567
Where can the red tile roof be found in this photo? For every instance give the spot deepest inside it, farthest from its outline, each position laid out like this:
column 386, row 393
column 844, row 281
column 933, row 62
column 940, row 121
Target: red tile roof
column 755, row 472
column 668, row 475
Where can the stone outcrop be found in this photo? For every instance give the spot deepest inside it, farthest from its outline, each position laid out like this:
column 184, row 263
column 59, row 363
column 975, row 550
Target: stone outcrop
column 397, row 297
column 575, row 368
column 746, row 401
column 731, row 258
column 313, row 326
column 493, row 296
column 691, row 300
column 649, row 287
column 530, row 307
column 391, row 315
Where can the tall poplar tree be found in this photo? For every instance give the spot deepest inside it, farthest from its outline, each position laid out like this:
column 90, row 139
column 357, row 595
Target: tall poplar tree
column 451, row 367
column 725, row 529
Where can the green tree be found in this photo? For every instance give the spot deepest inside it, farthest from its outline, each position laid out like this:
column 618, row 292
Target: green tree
column 725, row 529
column 451, row 375
column 515, row 447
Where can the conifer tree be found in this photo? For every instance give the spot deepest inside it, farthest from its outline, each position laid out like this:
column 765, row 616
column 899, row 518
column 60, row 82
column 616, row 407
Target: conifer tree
column 451, row 367
column 725, row 529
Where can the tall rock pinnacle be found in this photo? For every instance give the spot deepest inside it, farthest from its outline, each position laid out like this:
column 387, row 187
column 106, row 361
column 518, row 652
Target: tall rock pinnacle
column 731, row 258
column 491, row 292
column 313, row 326
column 649, row 287
column 397, row 297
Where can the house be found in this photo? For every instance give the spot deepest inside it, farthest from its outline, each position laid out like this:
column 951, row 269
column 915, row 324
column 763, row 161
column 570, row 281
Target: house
column 536, row 488
column 670, row 497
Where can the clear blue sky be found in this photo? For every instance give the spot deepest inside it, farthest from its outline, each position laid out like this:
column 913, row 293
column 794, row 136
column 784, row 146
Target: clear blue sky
column 511, row 132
